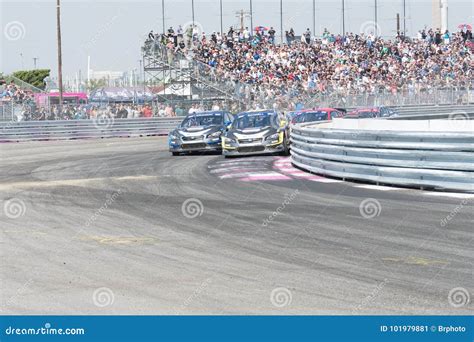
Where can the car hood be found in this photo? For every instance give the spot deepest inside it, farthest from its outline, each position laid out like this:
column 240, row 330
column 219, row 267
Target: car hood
column 249, row 133
column 197, row 131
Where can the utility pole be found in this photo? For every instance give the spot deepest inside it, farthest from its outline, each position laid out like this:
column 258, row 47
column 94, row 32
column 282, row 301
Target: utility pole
column 34, row 61
column 241, row 15
column 60, row 58
column 21, row 59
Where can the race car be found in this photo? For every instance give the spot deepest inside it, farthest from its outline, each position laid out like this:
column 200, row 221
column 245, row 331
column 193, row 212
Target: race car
column 256, row 132
column 317, row 114
column 199, row 132
column 372, row 112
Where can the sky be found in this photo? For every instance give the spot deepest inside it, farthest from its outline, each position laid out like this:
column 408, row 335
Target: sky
column 112, row 32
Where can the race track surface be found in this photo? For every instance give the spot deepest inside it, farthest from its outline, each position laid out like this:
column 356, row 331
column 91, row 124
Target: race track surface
column 120, row 226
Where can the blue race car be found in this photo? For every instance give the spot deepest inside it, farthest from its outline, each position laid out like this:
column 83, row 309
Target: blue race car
column 199, row 132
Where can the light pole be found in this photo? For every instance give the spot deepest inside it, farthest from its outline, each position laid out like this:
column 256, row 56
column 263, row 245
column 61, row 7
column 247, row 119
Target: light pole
column 140, row 74
column 404, row 17
column 222, row 26
column 343, row 17
column 251, row 17
column 34, row 61
column 192, row 7
column 60, row 58
column 163, row 15
column 281, row 20
column 376, row 26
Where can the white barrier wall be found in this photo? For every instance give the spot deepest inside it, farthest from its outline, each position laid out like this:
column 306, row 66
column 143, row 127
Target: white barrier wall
column 459, row 125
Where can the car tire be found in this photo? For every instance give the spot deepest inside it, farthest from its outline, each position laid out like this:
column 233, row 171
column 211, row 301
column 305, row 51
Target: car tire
column 175, row 153
column 286, row 149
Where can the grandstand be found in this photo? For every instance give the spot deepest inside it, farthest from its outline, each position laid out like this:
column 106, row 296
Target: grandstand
column 350, row 70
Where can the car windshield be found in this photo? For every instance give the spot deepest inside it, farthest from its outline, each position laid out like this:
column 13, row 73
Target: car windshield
column 253, row 120
column 311, row 116
column 366, row 113
column 203, row 120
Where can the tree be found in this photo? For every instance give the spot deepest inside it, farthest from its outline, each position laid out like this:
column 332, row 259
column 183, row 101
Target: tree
column 33, row 77
column 94, row 84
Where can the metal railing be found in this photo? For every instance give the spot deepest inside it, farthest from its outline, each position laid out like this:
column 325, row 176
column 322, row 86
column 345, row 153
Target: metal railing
column 185, row 67
column 413, row 159
column 6, row 111
column 104, row 127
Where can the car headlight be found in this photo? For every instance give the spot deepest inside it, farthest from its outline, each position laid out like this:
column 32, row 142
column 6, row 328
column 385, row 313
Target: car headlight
column 229, row 140
column 173, row 136
column 273, row 137
column 214, row 135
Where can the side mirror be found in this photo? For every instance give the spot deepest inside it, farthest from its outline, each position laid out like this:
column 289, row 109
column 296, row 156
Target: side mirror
column 227, row 123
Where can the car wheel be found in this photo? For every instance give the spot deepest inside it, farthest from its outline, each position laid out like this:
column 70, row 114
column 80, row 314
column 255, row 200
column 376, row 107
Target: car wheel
column 286, row 149
column 175, row 153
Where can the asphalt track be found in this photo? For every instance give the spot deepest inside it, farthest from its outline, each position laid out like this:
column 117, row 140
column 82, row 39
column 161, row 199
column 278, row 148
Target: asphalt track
column 118, row 226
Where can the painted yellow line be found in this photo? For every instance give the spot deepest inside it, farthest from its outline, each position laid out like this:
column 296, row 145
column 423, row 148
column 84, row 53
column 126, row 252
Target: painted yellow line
column 411, row 260
column 121, row 240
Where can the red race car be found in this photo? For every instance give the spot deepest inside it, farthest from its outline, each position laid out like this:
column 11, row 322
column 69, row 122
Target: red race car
column 372, row 112
column 317, row 114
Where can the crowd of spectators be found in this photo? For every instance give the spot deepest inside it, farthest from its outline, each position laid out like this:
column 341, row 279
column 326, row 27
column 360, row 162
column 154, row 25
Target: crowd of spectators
column 88, row 111
column 10, row 92
column 30, row 112
column 332, row 64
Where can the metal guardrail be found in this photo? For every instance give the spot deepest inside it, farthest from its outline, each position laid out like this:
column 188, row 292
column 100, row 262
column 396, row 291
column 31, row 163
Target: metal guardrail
column 413, row 159
column 84, row 129
column 452, row 109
